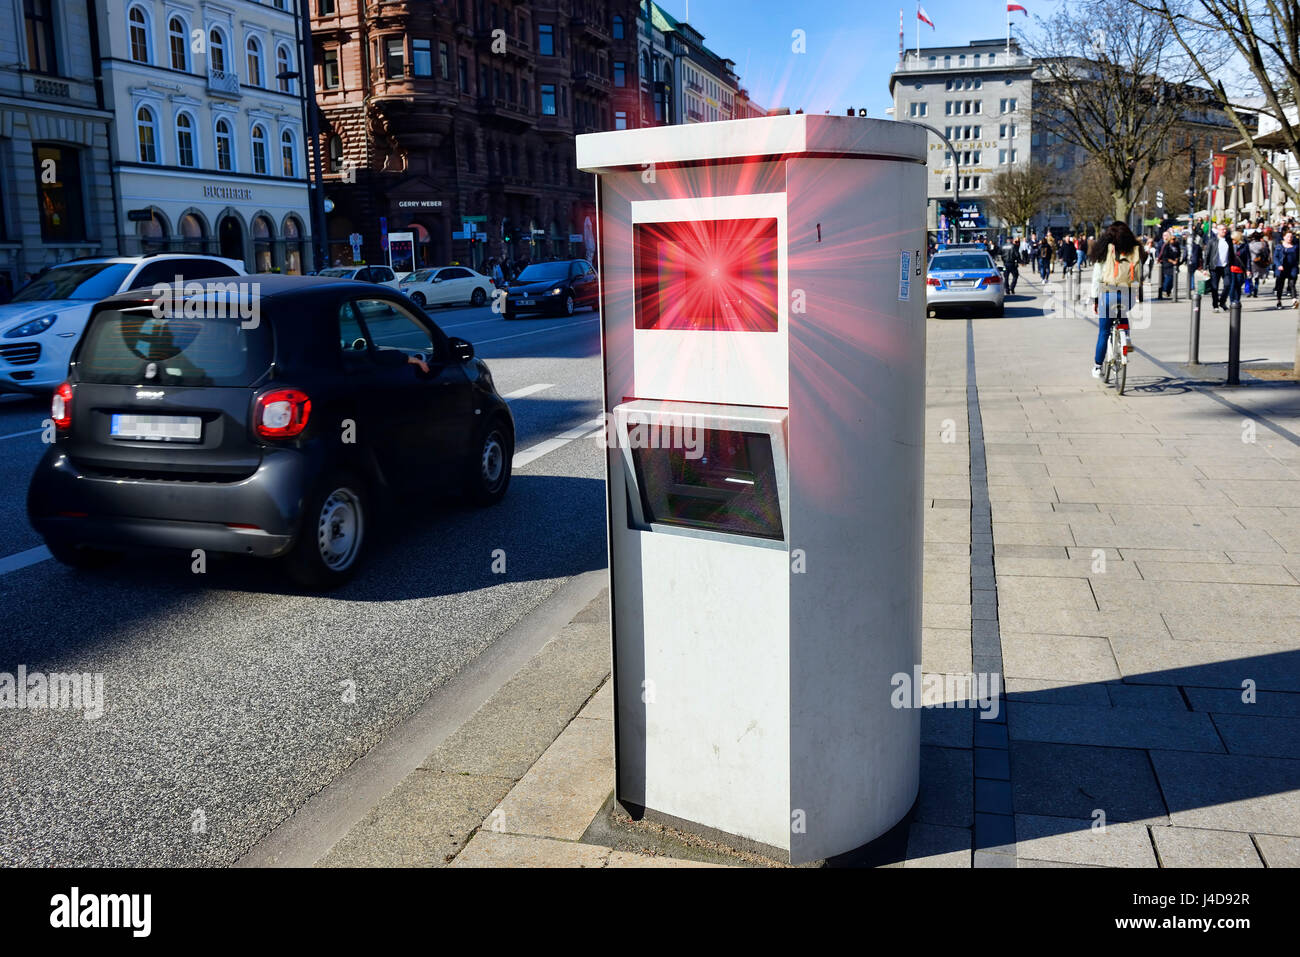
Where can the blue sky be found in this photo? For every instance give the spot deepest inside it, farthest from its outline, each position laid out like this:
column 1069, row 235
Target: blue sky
column 852, row 46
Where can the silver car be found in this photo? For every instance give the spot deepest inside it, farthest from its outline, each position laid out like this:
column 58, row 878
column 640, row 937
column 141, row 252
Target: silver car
column 963, row 278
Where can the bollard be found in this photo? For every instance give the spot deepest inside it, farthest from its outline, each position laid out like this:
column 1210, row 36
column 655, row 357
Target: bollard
column 1194, row 340
column 1175, row 283
column 1234, row 343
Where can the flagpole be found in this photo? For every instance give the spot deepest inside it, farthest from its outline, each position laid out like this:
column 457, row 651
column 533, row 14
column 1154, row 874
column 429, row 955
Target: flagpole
column 918, row 29
column 1008, row 29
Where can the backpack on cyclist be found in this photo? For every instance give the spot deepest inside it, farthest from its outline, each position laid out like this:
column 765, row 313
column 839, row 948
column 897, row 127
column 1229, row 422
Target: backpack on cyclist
column 1120, row 270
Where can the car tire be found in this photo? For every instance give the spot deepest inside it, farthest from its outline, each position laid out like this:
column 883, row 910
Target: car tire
column 487, row 473
column 568, row 305
column 333, row 533
column 1000, row 312
column 81, row 556
column 479, row 297
column 418, row 299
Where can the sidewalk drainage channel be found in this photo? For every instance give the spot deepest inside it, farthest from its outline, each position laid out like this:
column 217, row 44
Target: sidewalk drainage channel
column 995, row 830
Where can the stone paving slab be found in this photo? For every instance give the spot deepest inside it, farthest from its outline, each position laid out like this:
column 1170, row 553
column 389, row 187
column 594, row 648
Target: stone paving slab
column 1261, row 735
column 1230, row 792
column 1066, row 780
column 1207, row 664
column 933, row 845
column 1070, row 841
column 1196, row 847
column 1074, row 658
column 1112, row 727
column 1279, row 851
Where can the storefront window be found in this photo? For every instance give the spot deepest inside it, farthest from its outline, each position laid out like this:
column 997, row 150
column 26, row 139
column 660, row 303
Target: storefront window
column 262, row 261
column 292, row 246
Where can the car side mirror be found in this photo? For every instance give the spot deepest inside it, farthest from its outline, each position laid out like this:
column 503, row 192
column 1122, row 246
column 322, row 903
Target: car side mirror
column 461, row 350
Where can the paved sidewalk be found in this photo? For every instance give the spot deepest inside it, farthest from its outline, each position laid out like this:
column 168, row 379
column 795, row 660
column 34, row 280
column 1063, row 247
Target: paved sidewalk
column 1130, row 564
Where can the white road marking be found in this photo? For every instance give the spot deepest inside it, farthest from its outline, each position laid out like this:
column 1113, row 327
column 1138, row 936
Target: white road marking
column 33, row 556
column 535, row 452
column 15, row 435
column 537, row 332
column 528, row 390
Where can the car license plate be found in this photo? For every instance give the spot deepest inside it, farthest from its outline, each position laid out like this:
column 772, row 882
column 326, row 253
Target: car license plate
column 961, row 283
column 156, row 428
column 527, row 302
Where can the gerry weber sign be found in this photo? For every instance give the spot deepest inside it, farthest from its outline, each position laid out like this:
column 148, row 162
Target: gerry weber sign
column 227, row 192
column 419, row 203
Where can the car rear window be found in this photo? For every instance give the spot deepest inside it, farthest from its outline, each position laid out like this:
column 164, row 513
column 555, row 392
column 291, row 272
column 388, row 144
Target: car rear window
column 134, row 347
column 962, row 261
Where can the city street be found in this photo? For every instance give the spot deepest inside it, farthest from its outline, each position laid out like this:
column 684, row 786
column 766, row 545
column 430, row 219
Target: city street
column 224, row 693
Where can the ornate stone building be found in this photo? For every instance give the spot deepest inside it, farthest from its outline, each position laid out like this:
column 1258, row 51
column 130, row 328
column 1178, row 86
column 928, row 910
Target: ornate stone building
column 455, row 119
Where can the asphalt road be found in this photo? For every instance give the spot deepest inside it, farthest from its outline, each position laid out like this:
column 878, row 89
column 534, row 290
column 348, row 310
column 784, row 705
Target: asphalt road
column 226, row 693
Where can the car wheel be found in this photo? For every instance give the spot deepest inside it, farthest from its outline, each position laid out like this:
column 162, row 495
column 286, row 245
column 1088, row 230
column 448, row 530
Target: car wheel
column 418, row 299
column 1000, row 312
column 489, row 466
column 81, row 556
column 328, row 550
column 478, row 298
column 566, row 307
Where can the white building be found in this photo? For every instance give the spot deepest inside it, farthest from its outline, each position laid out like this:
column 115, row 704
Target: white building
column 55, row 186
column 208, row 144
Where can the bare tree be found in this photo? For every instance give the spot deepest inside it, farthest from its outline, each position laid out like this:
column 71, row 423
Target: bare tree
column 1017, row 195
column 1090, row 201
column 1112, row 83
column 1258, row 42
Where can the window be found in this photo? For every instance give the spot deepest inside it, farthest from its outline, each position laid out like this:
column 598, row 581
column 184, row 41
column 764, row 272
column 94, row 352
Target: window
column 620, row 73
column 564, row 100
column 139, row 31
column 993, row 59
column 422, row 57
column 444, row 60
column 217, row 51
column 977, row 59
column 146, row 134
column 462, row 71
column 975, row 182
column 524, row 101
column 283, row 64
column 620, row 120
column 335, row 151
column 59, row 201
column 933, row 61
column 919, row 109
column 259, row 149
column 225, row 146
column 961, row 60
column 330, row 69
column 185, row 140
column 947, row 184
column 39, row 17
column 325, row 8
column 288, row 154
column 254, row 50
column 394, row 58
column 618, row 27
column 546, row 39
column 548, row 99
column 178, row 41
column 1008, row 105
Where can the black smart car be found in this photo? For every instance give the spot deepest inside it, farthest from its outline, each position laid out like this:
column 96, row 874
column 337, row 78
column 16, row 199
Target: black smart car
column 558, row 287
column 270, row 426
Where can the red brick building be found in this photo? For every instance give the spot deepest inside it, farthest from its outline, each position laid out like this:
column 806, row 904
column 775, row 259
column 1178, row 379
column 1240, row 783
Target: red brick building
column 438, row 113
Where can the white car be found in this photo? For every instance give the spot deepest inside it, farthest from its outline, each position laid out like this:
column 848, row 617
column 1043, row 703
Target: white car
column 41, row 324
column 447, row 284
column 379, row 275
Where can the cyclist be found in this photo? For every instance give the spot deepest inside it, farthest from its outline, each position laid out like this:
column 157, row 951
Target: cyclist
column 1117, row 268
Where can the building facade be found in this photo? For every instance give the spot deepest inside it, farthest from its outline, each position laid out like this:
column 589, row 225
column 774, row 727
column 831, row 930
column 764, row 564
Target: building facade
column 56, row 189
column 455, row 120
column 208, row 137
column 980, row 94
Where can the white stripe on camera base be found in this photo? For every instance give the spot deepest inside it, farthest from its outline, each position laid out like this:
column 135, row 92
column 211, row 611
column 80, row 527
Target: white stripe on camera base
column 33, row 556
column 533, row 453
column 528, row 390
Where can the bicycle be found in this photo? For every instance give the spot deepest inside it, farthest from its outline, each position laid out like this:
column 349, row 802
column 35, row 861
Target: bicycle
column 1118, row 346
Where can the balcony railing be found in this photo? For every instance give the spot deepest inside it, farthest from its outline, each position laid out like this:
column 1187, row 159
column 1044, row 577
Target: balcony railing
column 223, row 82
column 591, row 30
column 912, row 63
column 592, row 81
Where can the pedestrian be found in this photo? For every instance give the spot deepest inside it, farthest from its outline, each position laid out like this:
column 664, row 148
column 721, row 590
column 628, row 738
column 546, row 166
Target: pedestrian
column 1117, row 268
column 1010, row 265
column 1217, row 251
column 1033, row 249
column 1069, row 254
column 1171, row 257
column 1261, row 258
column 1238, row 266
column 498, row 274
column 1286, row 263
column 1045, row 252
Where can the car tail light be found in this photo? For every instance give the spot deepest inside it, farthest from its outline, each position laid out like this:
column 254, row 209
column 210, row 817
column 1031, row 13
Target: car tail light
column 993, row 281
column 61, row 407
column 281, row 413
column 931, row 281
